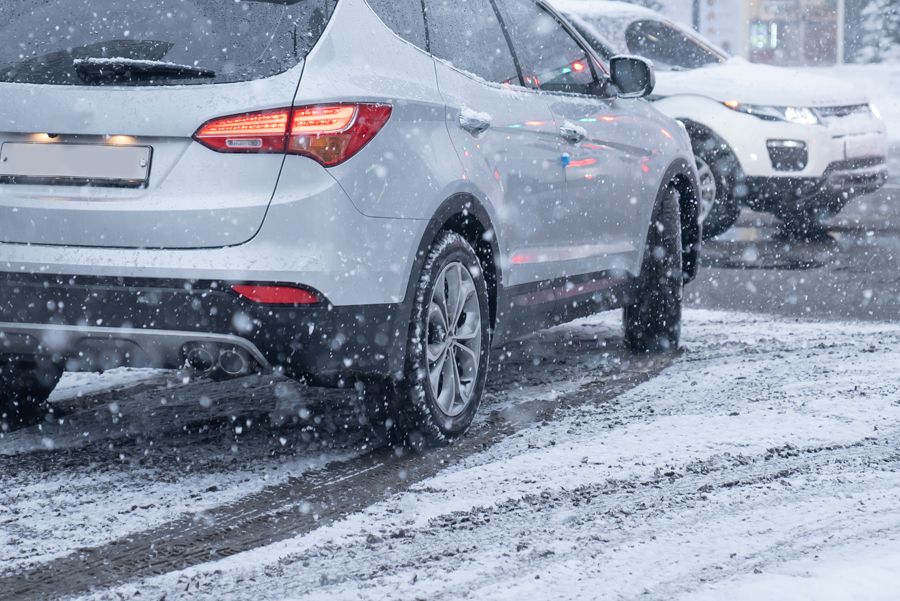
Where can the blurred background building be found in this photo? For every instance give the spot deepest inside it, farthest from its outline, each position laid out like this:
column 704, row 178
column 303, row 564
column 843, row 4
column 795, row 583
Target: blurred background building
column 794, row 32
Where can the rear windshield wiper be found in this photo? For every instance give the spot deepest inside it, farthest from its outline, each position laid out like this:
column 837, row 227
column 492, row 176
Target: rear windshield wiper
column 96, row 71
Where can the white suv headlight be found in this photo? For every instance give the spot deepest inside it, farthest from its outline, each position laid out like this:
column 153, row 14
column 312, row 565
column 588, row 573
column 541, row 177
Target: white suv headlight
column 801, row 115
column 793, row 114
column 875, row 110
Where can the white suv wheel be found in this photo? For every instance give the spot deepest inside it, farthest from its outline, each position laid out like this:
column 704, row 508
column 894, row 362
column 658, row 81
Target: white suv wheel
column 707, row 190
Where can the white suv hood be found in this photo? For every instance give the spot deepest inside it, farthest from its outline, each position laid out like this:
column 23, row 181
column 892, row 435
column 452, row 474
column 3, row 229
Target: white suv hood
column 752, row 83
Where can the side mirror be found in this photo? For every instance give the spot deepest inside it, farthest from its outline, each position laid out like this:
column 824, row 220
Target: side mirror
column 632, row 75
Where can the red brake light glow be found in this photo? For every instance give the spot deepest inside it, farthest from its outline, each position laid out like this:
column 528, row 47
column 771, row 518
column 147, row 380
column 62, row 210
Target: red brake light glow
column 333, row 134
column 322, row 119
column 329, row 134
column 276, row 295
column 254, row 132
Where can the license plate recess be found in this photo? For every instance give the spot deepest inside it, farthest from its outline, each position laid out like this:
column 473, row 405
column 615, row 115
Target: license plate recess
column 75, row 164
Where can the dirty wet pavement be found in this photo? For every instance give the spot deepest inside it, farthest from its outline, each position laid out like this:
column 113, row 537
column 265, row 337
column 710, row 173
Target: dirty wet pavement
column 142, row 478
column 851, row 272
column 162, row 473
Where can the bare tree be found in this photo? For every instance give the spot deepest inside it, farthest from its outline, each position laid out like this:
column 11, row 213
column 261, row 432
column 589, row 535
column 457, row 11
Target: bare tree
column 879, row 32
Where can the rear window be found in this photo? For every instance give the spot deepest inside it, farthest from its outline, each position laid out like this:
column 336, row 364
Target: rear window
column 155, row 42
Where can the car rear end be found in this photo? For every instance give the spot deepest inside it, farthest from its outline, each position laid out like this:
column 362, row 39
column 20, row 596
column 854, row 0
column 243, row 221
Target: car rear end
column 168, row 197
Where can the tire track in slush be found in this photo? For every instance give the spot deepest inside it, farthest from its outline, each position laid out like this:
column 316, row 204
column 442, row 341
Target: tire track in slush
column 296, row 506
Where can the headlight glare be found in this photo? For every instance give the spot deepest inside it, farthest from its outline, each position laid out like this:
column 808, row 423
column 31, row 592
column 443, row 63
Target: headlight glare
column 792, row 114
column 801, row 115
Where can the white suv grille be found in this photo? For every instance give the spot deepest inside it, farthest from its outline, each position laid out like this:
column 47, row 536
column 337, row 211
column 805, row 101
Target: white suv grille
column 842, row 111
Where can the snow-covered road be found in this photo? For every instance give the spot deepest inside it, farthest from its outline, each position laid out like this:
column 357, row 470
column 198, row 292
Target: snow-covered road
column 760, row 464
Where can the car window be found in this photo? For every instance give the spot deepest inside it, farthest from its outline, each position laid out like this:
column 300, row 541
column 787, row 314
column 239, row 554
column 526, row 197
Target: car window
column 404, row 17
column 666, row 44
column 97, row 42
column 467, row 34
column 605, row 29
column 600, row 44
column 549, row 57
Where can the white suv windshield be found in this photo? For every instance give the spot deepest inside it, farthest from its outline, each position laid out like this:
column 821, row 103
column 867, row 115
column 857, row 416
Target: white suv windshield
column 666, row 44
column 147, row 42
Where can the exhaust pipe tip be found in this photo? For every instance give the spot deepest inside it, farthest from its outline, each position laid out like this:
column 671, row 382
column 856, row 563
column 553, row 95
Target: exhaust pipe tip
column 234, row 362
column 217, row 362
column 200, row 359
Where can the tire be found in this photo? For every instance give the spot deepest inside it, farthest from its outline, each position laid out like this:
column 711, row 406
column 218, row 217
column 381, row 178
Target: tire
column 718, row 170
column 25, row 385
column 653, row 322
column 447, row 357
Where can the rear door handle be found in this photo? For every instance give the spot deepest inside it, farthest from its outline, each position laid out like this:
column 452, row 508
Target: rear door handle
column 473, row 122
column 573, row 134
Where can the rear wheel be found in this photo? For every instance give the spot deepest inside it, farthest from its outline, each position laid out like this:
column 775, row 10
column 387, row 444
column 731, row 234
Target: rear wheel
column 447, row 357
column 653, row 322
column 25, row 385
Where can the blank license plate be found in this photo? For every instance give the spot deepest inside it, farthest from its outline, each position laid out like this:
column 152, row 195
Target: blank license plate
column 74, row 163
column 864, row 145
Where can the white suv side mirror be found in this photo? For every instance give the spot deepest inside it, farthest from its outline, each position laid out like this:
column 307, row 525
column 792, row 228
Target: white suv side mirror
column 632, row 75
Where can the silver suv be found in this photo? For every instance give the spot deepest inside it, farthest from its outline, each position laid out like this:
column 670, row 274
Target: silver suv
column 350, row 193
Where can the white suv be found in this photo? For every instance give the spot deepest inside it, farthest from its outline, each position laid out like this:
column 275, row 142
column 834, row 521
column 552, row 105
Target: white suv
column 779, row 140
column 331, row 189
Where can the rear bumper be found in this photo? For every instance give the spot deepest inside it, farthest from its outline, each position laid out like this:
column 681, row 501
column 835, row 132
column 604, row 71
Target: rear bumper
column 95, row 324
column 312, row 235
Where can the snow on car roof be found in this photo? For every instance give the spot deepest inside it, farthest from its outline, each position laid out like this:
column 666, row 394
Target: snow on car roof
column 590, row 8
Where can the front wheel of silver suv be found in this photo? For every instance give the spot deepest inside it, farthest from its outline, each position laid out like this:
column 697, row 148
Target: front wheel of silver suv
column 447, row 357
column 653, row 321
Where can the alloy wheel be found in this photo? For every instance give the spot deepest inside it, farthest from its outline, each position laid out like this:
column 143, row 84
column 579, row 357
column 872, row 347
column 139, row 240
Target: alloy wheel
column 453, row 346
column 707, row 182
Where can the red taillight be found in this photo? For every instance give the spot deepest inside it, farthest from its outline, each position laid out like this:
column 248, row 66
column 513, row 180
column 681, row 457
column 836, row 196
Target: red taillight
column 322, row 119
column 330, row 134
column 254, row 132
column 276, row 295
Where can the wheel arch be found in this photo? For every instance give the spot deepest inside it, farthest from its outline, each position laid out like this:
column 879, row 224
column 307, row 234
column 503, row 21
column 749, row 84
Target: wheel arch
column 697, row 130
column 464, row 214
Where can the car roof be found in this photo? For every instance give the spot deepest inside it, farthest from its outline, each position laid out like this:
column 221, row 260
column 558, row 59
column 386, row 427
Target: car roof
column 590, row 8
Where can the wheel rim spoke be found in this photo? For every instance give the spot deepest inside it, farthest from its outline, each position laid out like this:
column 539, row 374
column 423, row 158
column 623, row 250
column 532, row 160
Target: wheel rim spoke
column 434, row 372
column 468, row 332
column 440, row 296
column 467, row 366
column 437, row 325
column 454, row 294
column 707, row 181
column 446, row 396
column 459, row 400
